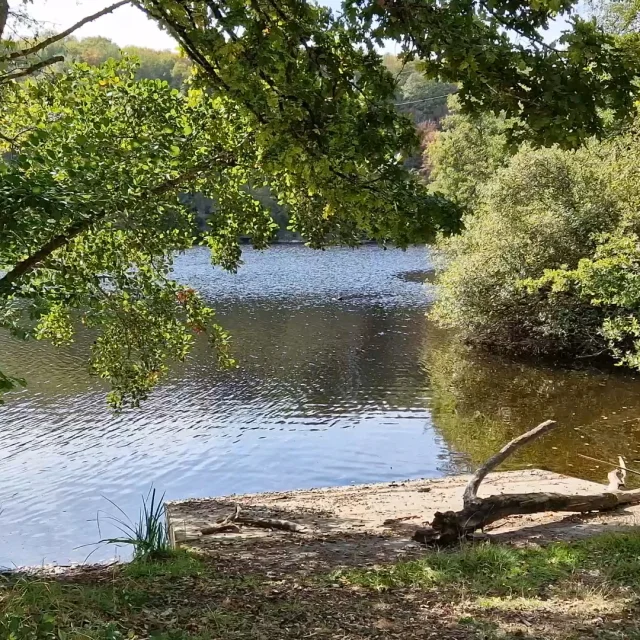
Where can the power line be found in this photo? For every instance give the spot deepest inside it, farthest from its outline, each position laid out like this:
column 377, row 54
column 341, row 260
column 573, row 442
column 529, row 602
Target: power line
column 444, row 95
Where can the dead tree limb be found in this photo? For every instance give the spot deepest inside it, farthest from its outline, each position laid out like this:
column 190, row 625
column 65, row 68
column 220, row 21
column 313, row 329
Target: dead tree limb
column 231, row 522
column 272, row 523
column 471, row 491
column 450, row 527
column 619, row 469
column 220, row 528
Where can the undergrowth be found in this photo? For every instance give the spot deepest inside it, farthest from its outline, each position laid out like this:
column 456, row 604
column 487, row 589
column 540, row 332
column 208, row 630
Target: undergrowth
column 566, row 591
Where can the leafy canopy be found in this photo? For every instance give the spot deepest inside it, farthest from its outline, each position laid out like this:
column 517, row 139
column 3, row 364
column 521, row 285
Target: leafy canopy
column 91, row 212
column 273, row 48
column 285, row 95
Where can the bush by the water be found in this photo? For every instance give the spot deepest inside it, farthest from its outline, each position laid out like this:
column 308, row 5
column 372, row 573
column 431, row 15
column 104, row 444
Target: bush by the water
column 549, row 262
column 466, row 154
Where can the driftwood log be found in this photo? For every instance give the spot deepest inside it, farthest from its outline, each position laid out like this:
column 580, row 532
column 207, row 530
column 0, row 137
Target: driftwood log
column 233, row 522
column 452, row 526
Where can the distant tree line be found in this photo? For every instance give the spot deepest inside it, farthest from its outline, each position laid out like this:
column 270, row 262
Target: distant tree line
column 419, row 97
column 153, row 64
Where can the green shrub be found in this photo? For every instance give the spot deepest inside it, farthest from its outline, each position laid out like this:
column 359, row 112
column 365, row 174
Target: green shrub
column 466, row 154
column 549, row 262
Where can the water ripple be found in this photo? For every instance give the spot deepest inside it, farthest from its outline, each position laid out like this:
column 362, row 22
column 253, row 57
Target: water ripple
column 329, row 391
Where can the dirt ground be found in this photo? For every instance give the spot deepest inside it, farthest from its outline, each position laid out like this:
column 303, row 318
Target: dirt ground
column 366, row 525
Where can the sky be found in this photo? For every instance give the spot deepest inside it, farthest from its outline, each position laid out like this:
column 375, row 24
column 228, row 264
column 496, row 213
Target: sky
column 125, row 26
column 130, row 26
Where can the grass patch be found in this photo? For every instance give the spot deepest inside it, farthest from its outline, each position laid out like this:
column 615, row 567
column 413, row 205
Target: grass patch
column 176, row 564
column 494, row 570
column 484, row 570
column 566, row 591
column 38, row 609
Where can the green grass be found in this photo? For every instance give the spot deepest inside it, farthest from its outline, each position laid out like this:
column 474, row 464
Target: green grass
column 176, row 564
column 501, row 570
column 40, row 609
column 476, row 591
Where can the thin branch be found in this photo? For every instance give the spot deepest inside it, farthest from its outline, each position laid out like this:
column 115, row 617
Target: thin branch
column 402, row 104
column 181, row 34
column 63, row 34
column 34, row 68
column 508, row 24
column 471, row 490
column 613, row 464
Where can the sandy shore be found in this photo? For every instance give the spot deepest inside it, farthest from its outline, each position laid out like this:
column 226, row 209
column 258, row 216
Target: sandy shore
column 373, row 523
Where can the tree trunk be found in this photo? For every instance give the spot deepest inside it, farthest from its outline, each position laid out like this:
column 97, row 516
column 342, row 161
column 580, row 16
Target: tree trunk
column 4, row 15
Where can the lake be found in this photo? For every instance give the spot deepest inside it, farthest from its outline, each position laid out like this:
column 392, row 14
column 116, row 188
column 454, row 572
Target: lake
column 342, row 379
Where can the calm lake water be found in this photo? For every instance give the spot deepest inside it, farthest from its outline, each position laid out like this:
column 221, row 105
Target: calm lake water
column 342, row 380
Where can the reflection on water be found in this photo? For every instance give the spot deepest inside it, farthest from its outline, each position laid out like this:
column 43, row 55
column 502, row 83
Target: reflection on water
column 480, row 401
column 342, row 380
column 329, row 391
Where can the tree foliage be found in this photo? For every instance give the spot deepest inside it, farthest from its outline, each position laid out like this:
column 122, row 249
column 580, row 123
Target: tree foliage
column 549, row 262
column 286, row 96
column 466, row 154
column 619, row 17
column 23, row 57
column 556, row 93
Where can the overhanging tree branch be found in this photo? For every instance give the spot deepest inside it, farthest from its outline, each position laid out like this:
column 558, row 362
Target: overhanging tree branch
column 21, row 53
column 30, row 263
column 31, row 70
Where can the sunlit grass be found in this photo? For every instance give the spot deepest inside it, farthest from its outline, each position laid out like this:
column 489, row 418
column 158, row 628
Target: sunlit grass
column 501, row 570
column 485, row 569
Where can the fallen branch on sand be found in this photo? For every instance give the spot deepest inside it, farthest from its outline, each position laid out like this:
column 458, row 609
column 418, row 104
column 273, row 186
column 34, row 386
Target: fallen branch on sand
column 449, row 527
column 231, row 522
column 391, row 521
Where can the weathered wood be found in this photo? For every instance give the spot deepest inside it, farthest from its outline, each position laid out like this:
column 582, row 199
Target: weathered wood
column 264, row 523
column 230, row 524
column 471, row 491
column 451, row 526
column 223, row 527
column 272, row 523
